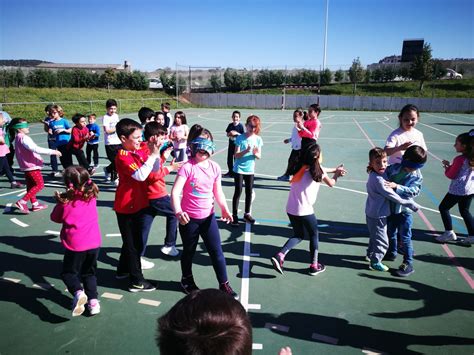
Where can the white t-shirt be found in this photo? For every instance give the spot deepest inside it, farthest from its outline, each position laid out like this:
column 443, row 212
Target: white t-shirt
column 400, row 136
column 110, row 122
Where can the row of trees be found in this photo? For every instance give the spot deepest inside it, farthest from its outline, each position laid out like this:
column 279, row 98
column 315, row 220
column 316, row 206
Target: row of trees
column 78, row 78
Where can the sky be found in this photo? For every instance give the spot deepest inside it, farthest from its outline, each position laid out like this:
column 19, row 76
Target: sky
column 152, row 34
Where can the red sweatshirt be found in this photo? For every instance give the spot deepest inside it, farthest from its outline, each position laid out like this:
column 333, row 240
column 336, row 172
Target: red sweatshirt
column 79, row 136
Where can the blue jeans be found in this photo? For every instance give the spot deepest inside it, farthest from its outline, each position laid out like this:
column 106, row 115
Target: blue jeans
column 399, row 230
column 160, row 207
column 53, row 158
column 209, row 231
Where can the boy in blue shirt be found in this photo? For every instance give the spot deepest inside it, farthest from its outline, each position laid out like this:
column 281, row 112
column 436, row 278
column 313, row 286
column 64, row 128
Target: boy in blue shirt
column 92, row 148
column 406, row 179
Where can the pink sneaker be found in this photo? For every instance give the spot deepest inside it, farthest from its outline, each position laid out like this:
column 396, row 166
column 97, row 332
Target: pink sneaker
column 38, row 207
column 22, row 206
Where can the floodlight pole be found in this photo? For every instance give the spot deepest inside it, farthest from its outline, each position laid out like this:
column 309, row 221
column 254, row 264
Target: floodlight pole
column 326, row 34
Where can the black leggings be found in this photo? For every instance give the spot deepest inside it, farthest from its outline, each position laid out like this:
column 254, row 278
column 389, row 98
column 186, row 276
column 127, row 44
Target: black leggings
column 464, row 204
column 238, row 182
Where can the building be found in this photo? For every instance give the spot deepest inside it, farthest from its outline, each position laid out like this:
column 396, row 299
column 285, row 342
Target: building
column 93, row 68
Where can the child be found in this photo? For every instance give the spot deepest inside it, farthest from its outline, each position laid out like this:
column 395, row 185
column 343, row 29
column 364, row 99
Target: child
column 92, row 147
column 205, row 322
column 51, row 141
column 111, row 140
column 60, row 128
column 233, row 130
column 134, row 163
column 307, row 177
column 377, row 208
column 76, row 209
column 79, row 136
column 4, row 150
column 165, row 108
column 405, row 179
column 309, row 129
column 160, row 118
column 159, row 200
column 179, row 134
column 248, row 147
column 405, row 135
column 461, row 188
column 199, row 181
column 146, row 115
column 30, row 161
column 295, row 140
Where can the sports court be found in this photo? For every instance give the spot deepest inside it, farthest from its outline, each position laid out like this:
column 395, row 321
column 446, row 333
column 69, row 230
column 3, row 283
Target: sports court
column 347, row 309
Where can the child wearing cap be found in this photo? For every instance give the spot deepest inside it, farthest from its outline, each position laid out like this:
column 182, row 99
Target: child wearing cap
column 199, row 182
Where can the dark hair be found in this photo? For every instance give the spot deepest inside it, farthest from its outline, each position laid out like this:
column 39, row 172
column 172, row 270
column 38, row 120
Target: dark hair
column 415, row 154
column 77, row 117
column 467, row 140
column 316, row 108
column 194, row 131
column 236, row 112
column 181, row 115
column 205, row 322
column 300, row 112
column 126, row 126
column 407, row 108
column 166, row 105
column 92, row 115
column 145, row 114
column 309, row 156
column 153, row 129
column 110, row 102
column 159, row 113
column 47, row 108
column 78, row 182
column 375, row 153
column 255, row 121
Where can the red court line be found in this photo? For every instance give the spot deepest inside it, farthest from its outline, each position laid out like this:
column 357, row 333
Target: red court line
column 448, row 251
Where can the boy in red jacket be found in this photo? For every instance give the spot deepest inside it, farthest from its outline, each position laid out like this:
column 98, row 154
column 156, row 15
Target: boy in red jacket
column 79, row 136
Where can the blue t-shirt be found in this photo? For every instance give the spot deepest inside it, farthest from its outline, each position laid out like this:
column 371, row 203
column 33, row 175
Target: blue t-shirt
column 61, row 138
column 94, row 127
column 246, row 164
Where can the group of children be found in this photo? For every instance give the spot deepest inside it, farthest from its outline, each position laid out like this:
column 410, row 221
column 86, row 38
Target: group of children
column 138, row 153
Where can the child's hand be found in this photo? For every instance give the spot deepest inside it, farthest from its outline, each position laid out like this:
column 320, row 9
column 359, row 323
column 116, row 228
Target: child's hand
column 286, row 141
column 57, row 153
column 405, row 146
column 285, row 351
column 234, row 133
column 166, row 153
column 183, row 218
column 175, row 165
column 255, row 150
column 340, row 171
column 226, row 217
column 446, row 164
column 390, row 184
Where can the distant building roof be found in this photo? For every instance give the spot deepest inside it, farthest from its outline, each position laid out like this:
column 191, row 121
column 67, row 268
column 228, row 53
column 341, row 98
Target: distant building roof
column 80, row 66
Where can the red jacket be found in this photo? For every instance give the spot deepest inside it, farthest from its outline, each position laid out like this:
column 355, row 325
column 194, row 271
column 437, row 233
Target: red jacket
column 79, row 136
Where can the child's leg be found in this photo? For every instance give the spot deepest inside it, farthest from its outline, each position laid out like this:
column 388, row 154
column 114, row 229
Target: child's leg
column 81, row 158
column 464, row 210
column 88, row 273
column 393, row 222
column 163, row 207
column 238, row 183
column 66, row 157
column 53, row 158
column 448, row 202
column 148, row 217
column 311, row 225
column 230, row 156
column 6, row 168
column 72, row 264
column 404, row 227
column 89, row 153
column 190, row 236
column 34, row 184
column 379, row 240
column 212, row 239
column 248, row 192
column 298, row 234
column 291, row 161
column 95, row 153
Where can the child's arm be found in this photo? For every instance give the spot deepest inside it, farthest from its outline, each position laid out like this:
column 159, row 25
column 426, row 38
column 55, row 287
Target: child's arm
column 388, row 193
column 240, row 154
column 176, row 191
column 151, row 164
column 257, row 152
column 57, row 213
column 451, row 171
column 30, row 145
column 221, row 202
column 411, row 190
column 338, row 172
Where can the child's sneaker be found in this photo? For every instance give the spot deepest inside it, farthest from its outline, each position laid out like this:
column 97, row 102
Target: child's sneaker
column 38, row 207
column 146, row 265
column 378, row 267
column 467, row 241
column 447, row 237
column 277, row 262
column 93, row 306
column 315, row 269
column 405, row 270
column 22, row 206
column 225, row 287
column 16, row 185
column 107, row 174
column 143, row 286
column 235, row 221
column 248, row 218
column 80, row 299
column 188, row 285
column 170, row 251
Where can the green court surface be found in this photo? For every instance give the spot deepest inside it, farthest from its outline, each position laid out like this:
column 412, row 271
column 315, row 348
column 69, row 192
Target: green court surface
column 347, row 309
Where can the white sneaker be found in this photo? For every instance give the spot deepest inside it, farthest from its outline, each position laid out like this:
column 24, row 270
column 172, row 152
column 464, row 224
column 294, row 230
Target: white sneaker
column 447, row 237
column 116, row 182
column 146, row 265
column 94, row 307
column 58, row 174
column 106, row 174
column 170, row 251
column 467, row 241
column 80, row 299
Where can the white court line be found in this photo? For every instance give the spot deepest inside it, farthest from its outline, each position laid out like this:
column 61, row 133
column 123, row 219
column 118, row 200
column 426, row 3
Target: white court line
column 244, row 289
column 149, row 302
column 113, row 235
column 9, row 279
column 43, row 286
column 22, row 193
column 112, row 296
column 256, row 346
column 437, row 129
column 19, row 223
column 52, row 232
column 11, row 193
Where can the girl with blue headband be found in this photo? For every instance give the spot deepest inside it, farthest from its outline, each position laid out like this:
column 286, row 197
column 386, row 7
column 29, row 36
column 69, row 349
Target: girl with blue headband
column 30, row 162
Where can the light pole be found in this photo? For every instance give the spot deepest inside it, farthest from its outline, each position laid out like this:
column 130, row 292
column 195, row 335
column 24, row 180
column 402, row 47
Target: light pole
column 326, row 34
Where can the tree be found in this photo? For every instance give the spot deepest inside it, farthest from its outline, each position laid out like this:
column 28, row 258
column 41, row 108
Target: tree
column 356, row 73
column 232, row 80
column 137, row 81
column 438, row 69
column 326, row 77
column 107, row 78
column 388, row 73
column 19, row 78
column 377, row 75
column 339, row 76
column 216, row 82
column 367, row 76
column 422, row 66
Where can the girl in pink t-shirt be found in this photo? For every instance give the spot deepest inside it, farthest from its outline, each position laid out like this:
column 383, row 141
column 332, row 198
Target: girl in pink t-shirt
column 80, row 235
column 179, row 134
column 199, row 182
column 307, row 177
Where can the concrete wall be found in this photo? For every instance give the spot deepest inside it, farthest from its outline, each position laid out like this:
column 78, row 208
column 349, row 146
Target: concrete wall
column 331, row 102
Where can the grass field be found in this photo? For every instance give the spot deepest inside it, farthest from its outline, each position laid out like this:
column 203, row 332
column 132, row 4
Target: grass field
column 348, row 309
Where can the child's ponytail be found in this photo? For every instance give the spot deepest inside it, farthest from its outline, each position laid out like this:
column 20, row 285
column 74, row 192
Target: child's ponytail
column 78, row 183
